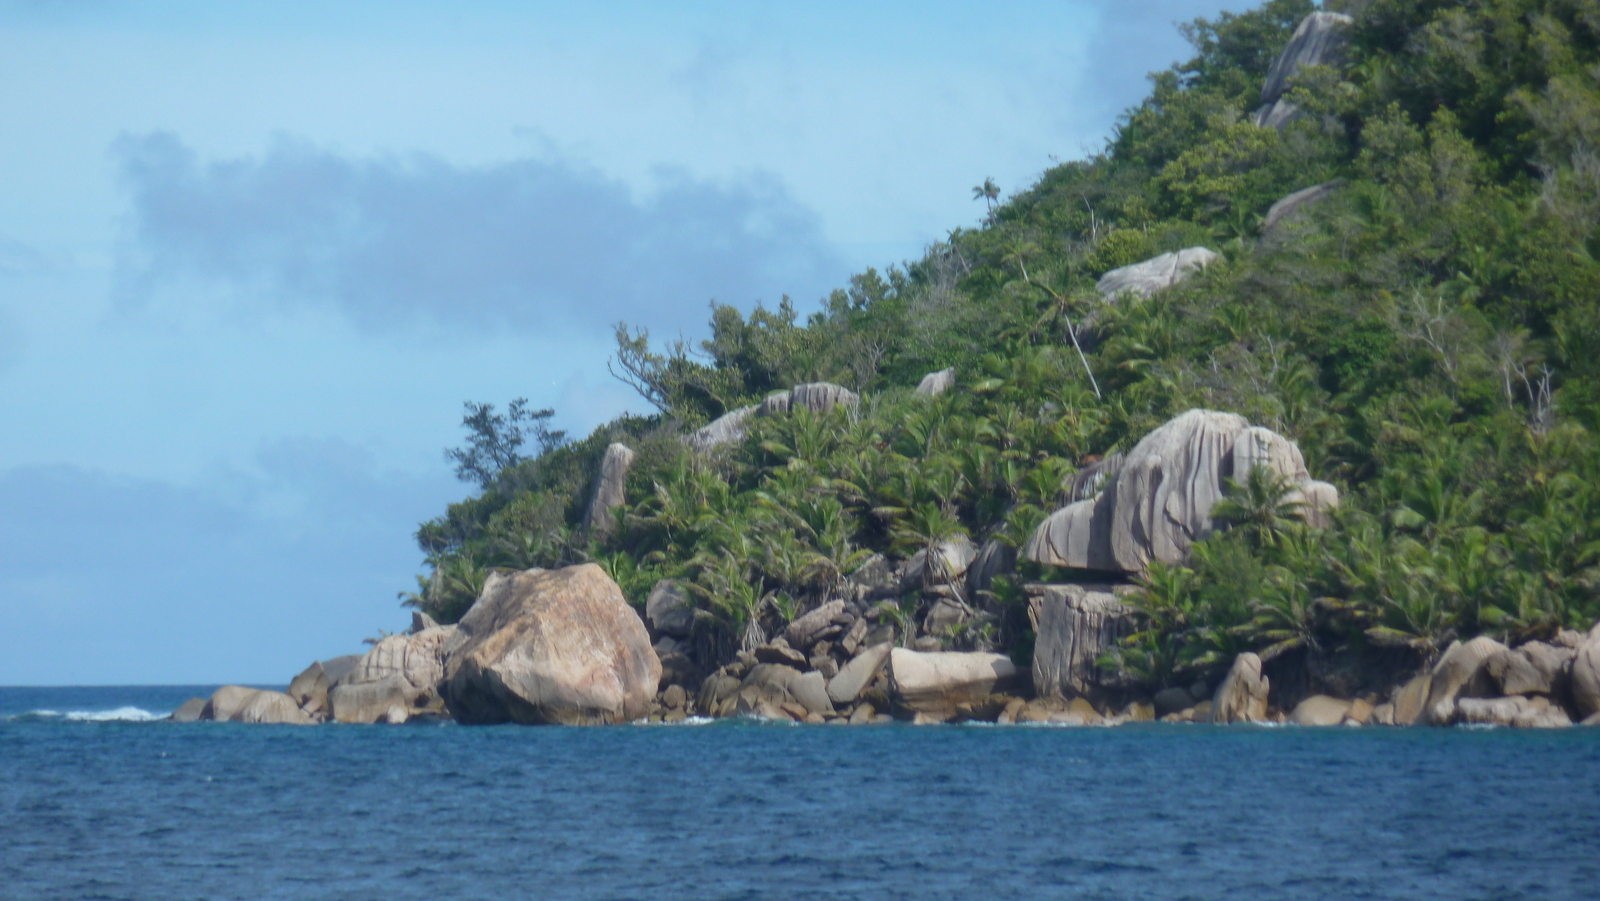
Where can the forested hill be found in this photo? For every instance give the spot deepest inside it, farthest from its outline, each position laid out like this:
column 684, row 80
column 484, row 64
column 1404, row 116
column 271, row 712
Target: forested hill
column 1427, row 330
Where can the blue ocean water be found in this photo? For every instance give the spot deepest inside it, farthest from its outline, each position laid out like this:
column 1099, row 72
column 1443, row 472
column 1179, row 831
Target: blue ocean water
column 99, row 801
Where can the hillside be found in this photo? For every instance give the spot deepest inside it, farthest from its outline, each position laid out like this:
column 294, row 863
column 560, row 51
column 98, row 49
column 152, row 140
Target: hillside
column 1426, row 329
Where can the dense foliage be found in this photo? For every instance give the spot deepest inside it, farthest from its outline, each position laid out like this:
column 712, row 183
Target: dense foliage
column 1429, row 335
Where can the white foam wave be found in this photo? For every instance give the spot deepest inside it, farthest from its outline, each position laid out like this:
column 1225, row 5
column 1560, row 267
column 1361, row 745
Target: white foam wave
column 121, row 714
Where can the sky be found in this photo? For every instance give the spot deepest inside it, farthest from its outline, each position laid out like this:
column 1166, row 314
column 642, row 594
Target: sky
column 255, row 256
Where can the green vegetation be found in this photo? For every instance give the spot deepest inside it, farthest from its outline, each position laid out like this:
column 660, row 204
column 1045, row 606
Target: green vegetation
column 1429, row 335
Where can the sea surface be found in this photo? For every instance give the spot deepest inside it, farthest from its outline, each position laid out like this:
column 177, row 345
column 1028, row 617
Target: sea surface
column 99, row 798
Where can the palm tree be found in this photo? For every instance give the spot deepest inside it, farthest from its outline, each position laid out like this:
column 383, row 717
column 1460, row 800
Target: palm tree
column 989, row 192
column 1262, row 504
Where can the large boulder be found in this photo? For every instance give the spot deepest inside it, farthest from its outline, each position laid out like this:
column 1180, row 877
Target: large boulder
column 336, row 668
column 1526, row 713
column 936, row 383
column 729, row 428
column 1534, row 668
column 1160, row 501
column 1319, row 710
column 994, row 558
column 370, row 701
column 1586, row 677
column 1290, row 208
column 1242, row 697
column 818, row 397
column 608, row 494
column 1074, row 625
column 1409, row 700
column 669, row 609
column 227, row 702
column 1461, row 672
column 1155, row 274
column 550, row 646
column 189, row 711
column 940, row 681
column 950, row 561
column 273, row 707
column 310, row 688
column 1319, row 40
column 806, row 629
column 417, row 659
column 855, row 676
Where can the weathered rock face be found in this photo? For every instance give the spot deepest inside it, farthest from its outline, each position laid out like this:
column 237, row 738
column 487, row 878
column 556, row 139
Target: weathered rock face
column 950, row 561
column 189, row 711
column 856, row 675
column 730, row 428
column 1532, row 669
column 370, row 701
column 1525, row 713
column 1319, row 40
column 227, row 702
column 1154, row 274
column 1460, row 672
column 669, row 610
column 1586, row 677
column 994, row 558
column 273, row 707
column 550, row 646
column 811, row 690
column 1074, row 625
column 310, row 688
column 1320, row 710
column 1242, row 697
column 1283, row 213
column 939, row 682
column 1160, row 501
column 803, row 632
column 936, row 383
column 608, row 490
column 418, row 659
column 1410, row 699
column 337, row 668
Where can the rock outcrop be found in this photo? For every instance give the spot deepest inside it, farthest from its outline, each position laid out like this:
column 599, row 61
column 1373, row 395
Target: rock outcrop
column 1526, row 713
column 1586, row 676
column 1160, row 501
column 1074, row 625
column 227, row 702
column 818, row 397
column 1155, row 274
column 608, row 494
column 950, row 561
column 936, row 383
column 550, row 646
column 309, row 689
column 939, row 682
column 994, row 558
column 1283, row 213
column 1320, row 710
column 189, row 711
column 385, row 700
column 1461, row 672
column 1242, row 697
column 273, row 708
column 1319, row 40
column 856, row 675
column 669, row 609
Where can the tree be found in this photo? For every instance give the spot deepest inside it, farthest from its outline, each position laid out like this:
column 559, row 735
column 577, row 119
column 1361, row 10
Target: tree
column 989, row 192
column 496, row 440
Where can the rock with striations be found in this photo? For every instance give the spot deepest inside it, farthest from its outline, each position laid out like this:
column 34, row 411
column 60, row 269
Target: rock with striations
column 1286, row 211
column 1461, row 672
column 669, row 609
column 936, row 383
column 274, row 708
column 599, row 520
column 1160, row 501
column 994, row 558
column 1586, row 676
column 939, row 681
column 820, row 397
column 1319, row 40
column 805, row 630
column 189, row 711
column 1320, row 710
column 370, row 701
column 855, row 676
column 418, row 659
column 729, row 428
column 1073, row 625
column 310, row 688
column 550, row 646
column 1409, row 700
column 1517, row 711
column 1155, row 274
column 227, row 702
column 951, row 558
column 811, row 690
column 1242, row 696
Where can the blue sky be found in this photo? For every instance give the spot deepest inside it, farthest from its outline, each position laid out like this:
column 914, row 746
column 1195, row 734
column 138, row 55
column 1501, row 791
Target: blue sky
column 254, row 257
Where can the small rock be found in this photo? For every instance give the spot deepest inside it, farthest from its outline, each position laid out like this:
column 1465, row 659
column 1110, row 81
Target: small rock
column 189, row 711
column 1012, row 709
column 862, row 715
column 827, row 666
column 927, row 644
column 674, row 697
column 805, row 630
column 1359, row 714
column 779, row 652
column 796, row 710
column 1383, row 715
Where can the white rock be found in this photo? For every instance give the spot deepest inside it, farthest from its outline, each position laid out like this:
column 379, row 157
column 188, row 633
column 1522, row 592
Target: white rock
column 608, row 490
column 937, row 681
column 1156, row 273
column 936, row 383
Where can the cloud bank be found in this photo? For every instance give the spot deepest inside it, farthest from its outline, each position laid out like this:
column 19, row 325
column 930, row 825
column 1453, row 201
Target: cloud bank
column 528, row 244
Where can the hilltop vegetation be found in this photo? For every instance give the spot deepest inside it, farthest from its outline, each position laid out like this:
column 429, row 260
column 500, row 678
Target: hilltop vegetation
column 1429, row 334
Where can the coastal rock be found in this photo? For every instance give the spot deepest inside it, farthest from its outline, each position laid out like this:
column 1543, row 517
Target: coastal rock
column 336, row 668
column 1319, row 40
column 669, row 610
column 811, row 690
column 1283, row 213
column 274, row 708
column 1154, row 274
column 1160, row 501
column 714, row 691
column 418, row 659
column 608, row 493
column 994, row 558
column 1319, row 710
column 804, row 631
column 421, row 621
column 1361, row 711
column 779, row 652
column 1517, row 711
column 854, row 676
column 369, row 701
column 550, row 646
column 189, row 711
column 1410, row 699
column 936, row 383
column 1242, row 697
column 1074, row 625
column 1586, row 677
column 1514, row 672
column 937, row 682
column 310, row 688
column 767, row 686
column 950, row 561
column 227, row 702
column 1460, row 672
column 1172, row 700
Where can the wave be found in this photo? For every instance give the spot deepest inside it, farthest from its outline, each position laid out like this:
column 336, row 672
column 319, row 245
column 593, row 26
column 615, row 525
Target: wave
column 119, row 715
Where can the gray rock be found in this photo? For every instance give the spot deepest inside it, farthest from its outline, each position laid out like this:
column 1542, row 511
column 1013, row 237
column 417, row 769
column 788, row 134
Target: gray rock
column 851, row 642
column 1155, row 274
column 856, row 675
column 951, row 558
column 1172, row 700
column 1320, row 710
column 1242, row 697
column 1319, row 40
column 1514, row 672
column 779, row 652
column 718, row 687
column 882, row 633
column 820, row 397
column 1516, row 711
column 1586, row 677
column 944, row 616
column 420, row 622
column 550, row 646
column 227, row 702
column 608, row 493
column 337, row 668
column 370, row 701
column 674, row 696
column 873, row 580
column 273, row 708
column 1073, row 625
column 994, row 559
column 189, row 711
column 310, row 688
column 927, row 644
column 936, row 383
column 669, row 610
column 726, row 429
column 1410, row 699
column 939, row 682
column 1461, row 671
column 419, row 659
column 805, row 630
column 811, row 690
column 1290, row 208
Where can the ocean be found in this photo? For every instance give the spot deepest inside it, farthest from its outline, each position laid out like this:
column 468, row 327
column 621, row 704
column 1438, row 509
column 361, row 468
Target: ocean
column 101, row 799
